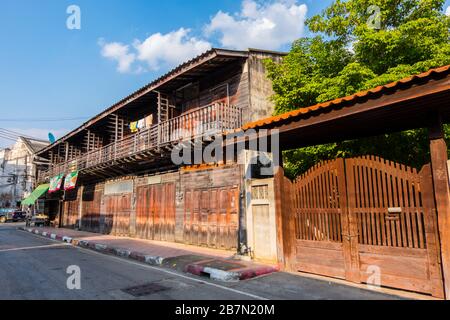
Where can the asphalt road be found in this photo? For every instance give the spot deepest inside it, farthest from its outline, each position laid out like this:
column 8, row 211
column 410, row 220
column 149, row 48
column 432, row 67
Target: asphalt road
column 32, row 267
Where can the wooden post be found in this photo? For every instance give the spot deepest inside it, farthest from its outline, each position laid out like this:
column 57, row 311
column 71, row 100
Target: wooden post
column 67, row 153
column 278, row 186
column 439, row 158
column 285, row 216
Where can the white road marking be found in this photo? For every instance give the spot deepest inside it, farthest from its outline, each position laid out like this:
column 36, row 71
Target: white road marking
column 164, row 271
column 36, row 247
column 175, row 274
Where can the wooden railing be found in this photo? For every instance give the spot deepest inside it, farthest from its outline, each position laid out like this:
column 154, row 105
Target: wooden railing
column 209, row 120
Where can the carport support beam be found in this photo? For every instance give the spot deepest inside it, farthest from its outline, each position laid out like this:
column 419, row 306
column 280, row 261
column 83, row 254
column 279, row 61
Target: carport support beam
column 439, row 159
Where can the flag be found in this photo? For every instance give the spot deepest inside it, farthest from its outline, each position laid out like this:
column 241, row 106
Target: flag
column 70, row 181
column 55, row 183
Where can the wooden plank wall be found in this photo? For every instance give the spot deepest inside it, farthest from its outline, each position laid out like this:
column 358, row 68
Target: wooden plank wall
column 209, row 212
column 156, row 207
column 213, row 89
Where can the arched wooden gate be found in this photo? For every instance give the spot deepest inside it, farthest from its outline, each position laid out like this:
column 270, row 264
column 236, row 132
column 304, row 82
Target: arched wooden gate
column 367, row 220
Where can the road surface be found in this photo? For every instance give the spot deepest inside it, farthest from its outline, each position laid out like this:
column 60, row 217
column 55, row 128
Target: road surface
column 32, row 267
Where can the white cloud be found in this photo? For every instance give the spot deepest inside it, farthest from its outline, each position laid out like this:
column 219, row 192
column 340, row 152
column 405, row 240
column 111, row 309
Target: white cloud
column 447, row 12
column 169, row 49
column 157, row 51
column 120, row 53
column 260, row 24
column 267, row 25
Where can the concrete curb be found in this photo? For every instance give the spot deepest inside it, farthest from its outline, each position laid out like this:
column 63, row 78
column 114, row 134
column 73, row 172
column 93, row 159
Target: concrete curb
column 98, row 247
column 229, row 276
column 193, row 268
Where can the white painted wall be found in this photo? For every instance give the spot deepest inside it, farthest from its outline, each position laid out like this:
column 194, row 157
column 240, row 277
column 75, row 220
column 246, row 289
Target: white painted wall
column 16, row 162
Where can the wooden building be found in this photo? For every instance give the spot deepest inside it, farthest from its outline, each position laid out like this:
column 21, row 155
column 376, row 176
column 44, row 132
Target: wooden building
column 128, row 185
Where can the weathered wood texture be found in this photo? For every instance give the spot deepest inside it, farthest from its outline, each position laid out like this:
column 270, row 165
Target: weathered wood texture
column 364, row 214
column 441, row 188
column 212, row 217
column 90, row 208
column 156, row 208
column 155, row 212
column 211, row 206
column 71, row 209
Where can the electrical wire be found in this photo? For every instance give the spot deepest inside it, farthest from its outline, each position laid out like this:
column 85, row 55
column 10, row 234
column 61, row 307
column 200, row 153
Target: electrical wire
column 41, row 119
column 14, row 134
column 2, row 137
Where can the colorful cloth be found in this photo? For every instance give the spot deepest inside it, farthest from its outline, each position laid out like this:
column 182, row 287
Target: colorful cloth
column 55, row 183
column 141, row 124
column 149, row 121
column 133, row 126
column 70, row 181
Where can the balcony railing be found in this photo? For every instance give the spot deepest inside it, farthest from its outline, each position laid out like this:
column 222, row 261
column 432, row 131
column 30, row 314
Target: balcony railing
column 209, row 120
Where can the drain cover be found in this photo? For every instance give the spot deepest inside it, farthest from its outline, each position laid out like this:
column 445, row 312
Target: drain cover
column 145, row 290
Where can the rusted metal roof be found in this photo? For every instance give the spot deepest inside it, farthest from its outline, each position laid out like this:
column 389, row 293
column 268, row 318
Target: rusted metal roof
column 206, row 59
column 360, row 96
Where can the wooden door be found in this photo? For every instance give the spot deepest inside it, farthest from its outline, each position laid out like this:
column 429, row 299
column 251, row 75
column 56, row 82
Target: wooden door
column 211, row 217
column 394, row 217
column 155, row 212
column 368, row 220
column 90, row 215
column 320, row 220
column 119, row 207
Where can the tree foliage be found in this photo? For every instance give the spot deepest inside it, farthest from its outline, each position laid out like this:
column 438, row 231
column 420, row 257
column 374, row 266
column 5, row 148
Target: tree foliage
column 347, row 54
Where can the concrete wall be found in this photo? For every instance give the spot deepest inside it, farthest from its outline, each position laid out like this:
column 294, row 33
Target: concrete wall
column 260, row 87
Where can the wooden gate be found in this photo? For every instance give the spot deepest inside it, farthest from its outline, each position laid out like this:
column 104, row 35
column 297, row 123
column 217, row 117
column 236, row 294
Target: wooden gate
column 155, row 212
column 368, row 220
column 211, row 217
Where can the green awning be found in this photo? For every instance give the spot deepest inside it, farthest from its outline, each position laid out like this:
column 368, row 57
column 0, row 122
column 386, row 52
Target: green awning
column 36, row 194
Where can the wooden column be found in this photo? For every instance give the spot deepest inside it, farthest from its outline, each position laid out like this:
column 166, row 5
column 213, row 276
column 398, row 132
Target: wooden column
column 439, row 158
column 285, row 216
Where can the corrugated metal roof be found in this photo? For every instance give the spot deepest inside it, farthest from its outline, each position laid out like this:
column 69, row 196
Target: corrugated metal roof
column 208, row 55
column 325, row 106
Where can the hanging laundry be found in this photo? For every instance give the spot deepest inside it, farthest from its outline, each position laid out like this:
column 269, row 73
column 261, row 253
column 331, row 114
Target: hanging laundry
column 141, row 124
column 133, row 126
column 149, row 121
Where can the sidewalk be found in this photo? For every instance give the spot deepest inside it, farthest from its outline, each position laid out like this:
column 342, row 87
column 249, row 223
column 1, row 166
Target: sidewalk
column 217, row 264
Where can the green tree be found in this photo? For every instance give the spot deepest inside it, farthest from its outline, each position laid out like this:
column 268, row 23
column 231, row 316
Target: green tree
column 354, row 48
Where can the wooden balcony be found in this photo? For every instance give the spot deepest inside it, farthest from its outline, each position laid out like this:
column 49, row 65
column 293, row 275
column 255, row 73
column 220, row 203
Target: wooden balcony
column 209, row 120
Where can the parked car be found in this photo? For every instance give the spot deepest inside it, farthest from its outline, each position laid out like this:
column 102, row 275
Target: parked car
column 19, row 216
column 6, row 215
column 40, row 220
column 3, row 217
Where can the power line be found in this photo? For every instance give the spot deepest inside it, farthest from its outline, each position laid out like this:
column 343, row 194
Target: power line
column 14, row 134
column 7, row 138
column 41, row 119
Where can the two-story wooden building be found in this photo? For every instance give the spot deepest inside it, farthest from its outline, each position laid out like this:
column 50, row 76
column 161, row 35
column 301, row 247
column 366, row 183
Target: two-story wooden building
column 127, row 183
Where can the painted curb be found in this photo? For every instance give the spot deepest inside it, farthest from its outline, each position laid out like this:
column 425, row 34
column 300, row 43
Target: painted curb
column 229, row 276
column 195, row 269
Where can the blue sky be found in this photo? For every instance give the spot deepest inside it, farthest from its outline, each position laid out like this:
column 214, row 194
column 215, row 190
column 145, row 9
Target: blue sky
column 50, row 72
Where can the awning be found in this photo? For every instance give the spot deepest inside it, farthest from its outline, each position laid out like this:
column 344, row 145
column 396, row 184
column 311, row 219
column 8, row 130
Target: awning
column 36, row 194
